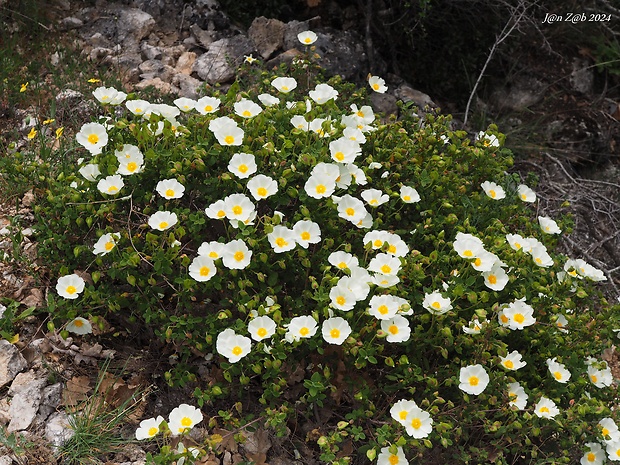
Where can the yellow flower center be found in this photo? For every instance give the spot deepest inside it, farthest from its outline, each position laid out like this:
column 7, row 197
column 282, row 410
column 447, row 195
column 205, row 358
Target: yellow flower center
column 213, row 254
column 504, row 318
column 229, row 140
column 393, row 329
column 594, row 378
column 186, row 421
column 243, row 168
column 169, row 193
column 403, row 414
column 492, row 279
column 307, row 40
column 477, row 262
column 383, row 309
column 519, row 318
column 492, row 193
column 335, row 333
column 304, row 331
column 71, row 290
column 436, row 305
column 247, row 113
column 473, row 380
column 281, row 242
column 339, row 156
column 538, row 260
column 523, row 197
column 221, row 214
column 262, row 332
column 350, row 211
column 208, row 108
column 163, row 225
column 239, row 256
column 393, row 460
column 605, row 432
column 93, row 138
column 416, row 423
column 237, row 350
column 78, row 323
column 284, row 88
column 517, row 245
column 112, row 189
column 373, row 202
column 378, row 243
column 237, row 210
column 340, row 300
column 132, row 166
column 392, row 249
column 407, row 198
column 557, row 375
column 109, row 245
column 385, row 269
column 375, row 86
column 591, row 457
column 152, row 431
column 320, row 189
column 204, row 271
column 261, row 191
column 509, row 364
column 544, row 409
column 468, row 253
column 305, row 236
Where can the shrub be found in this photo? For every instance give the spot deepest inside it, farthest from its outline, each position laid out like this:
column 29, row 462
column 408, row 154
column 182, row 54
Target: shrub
column 251, row 234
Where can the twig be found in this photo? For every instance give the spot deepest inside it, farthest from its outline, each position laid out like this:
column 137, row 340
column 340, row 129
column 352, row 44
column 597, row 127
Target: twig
column 500, row 38
column 27, row 17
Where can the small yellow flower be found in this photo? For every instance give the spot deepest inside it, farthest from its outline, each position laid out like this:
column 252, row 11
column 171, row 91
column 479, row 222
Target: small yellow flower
column 32, row 134
column 94, row 80
column 59, row 132
column 49, row 121
column 24, row 87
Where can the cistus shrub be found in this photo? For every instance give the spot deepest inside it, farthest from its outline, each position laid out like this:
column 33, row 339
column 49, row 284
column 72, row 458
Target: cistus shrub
column 391, row 272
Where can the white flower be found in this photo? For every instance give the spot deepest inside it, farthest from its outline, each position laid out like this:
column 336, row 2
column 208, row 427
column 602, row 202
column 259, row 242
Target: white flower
column 226, row 131
column 548, row 226
column 243, row 165
column 216, row 210
column 138, row 107
column 436, row 304
column 183, row 418
column 284, row 84
column 594, row 456
column 268, row 100
column 236, row 255
column 540, row 256
column 335, row 330
column 475, row 326
column 517, row 315
column 545, row 408
column 343, row 260
column 320, row 186
column 282, row 239
column 106, row 243
column 467, row 245
column 302, row 327
column 79, row 326
column 238, row 207
column 473, row 379
column 397, row 329
column 342, row 298
column 377, row 84
column 385, row 457
column 70, row 286
column 419, row 423
column 109, row 95
column 261, row 186
column 600, row 377
column 202, row 268
column 526, row 194
column 383, row 307
column 93, row 137
column 246, row 108
column 233, row 346
column 613, row 450
column 90, row 171
column 323, row 93
column 374, row 197
column 515, row 241
column 185, row 104
column 488, row 140
column 512, row 361
column 496, row 278
column 170, row 189
column 344, row 150
column 212, row 249
column 149, row 428
column 351, row 209
column 206, row 105
column 300, row 123
column 487, row 261
column 261, row 327
column 110, row 185
column 609, row 429
column 409, row 194
column 307, row 37
column 162, row 220
column 354, row 134
column 558, row 370
column 307, row 232
column 385, row 264
column 495, row 191
column 517, row 396
column 400, row 410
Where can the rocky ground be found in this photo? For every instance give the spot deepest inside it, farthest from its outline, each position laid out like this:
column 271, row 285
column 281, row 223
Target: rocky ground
column 553, row 110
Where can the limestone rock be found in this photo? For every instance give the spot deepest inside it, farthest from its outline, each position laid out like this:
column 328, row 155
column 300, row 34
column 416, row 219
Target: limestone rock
column 26, row 399
column 221, row 61
column 185, row 63
column 11, row 362
column 187, row 85
column 267, row 35
column 58, row 429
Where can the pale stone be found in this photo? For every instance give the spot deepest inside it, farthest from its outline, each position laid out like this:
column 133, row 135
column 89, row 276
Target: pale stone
column 11, row 362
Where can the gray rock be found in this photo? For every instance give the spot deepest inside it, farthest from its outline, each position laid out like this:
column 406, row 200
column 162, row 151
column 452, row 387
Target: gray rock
column 267, row 35
column 384, row 103
column 11, row 362
column 409, row 94
column 133, row 25
column 26, row 399
column 185, row 63
column 292, row 28
column 582, row 76
column 5, row 460
column 204, row 38
column 69, row 23
column 523, row 92
column 149, row 52
column 187, row 85
column 58, row 429
column 341, row 53
column 50, row 400
column 221, row 62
